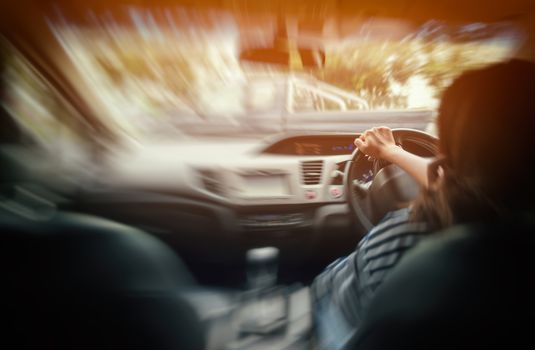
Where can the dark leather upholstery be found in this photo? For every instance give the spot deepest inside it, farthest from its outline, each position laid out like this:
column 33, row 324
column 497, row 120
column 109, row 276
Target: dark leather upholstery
column 80, row 282
column 467, row 287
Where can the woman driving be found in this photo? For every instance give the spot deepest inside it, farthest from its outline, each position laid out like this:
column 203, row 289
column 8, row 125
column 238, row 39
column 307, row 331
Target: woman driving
column 482, row 173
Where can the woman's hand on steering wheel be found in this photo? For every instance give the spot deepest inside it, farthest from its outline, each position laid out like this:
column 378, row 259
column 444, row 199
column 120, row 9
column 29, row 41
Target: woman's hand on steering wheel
column 377, row 143
column 395, row 184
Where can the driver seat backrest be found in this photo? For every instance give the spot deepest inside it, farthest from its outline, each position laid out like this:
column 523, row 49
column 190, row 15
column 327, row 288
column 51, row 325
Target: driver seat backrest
column 81, row 282
column 467, row 287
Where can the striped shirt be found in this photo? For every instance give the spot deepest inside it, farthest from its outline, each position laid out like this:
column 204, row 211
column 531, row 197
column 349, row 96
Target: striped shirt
column 348, row 284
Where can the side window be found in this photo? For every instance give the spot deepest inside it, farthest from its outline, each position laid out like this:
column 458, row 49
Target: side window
column 32, row 103
column 47, row 122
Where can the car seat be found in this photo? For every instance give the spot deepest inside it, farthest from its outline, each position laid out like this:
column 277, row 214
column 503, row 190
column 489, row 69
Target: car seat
column 72, row 281
column 467, row 287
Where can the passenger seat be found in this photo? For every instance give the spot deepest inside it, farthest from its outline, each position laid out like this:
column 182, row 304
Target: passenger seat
column 72, row 281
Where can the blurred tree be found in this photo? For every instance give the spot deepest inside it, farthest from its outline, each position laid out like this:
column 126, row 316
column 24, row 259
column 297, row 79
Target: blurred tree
column 372, row 69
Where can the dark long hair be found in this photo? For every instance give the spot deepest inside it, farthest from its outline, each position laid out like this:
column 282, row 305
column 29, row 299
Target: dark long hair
column 486, row 126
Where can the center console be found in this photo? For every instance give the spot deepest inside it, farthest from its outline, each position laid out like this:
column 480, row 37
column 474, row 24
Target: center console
column 264, row 316
column 233, row 322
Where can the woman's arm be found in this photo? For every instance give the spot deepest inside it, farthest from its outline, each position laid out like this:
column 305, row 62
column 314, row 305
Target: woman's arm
column 379, row 143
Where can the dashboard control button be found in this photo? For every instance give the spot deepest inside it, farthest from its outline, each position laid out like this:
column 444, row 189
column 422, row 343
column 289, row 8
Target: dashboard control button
column 310, row 194
column 336, row 192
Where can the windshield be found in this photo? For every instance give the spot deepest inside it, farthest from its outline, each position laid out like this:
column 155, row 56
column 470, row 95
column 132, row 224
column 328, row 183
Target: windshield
column 170, row 72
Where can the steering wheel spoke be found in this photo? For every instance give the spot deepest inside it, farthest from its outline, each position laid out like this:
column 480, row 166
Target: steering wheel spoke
column 360, row 188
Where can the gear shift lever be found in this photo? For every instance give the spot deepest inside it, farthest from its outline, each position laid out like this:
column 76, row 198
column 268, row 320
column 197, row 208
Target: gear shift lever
column 262, row 266
column 265, row 306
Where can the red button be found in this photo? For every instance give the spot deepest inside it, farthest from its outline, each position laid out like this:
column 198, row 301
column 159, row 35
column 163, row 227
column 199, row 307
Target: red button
column 336, row 192
column 310, row 194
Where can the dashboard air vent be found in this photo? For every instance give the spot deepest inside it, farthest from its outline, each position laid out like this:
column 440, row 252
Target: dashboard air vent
column 311, row 172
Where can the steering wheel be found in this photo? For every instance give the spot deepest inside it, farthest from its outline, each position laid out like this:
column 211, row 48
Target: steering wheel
column 390, row 187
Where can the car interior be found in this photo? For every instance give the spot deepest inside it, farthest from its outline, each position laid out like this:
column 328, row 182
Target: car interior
column 130, row 218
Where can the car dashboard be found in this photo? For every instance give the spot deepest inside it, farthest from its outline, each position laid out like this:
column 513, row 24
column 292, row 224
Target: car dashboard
column 292, row 170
